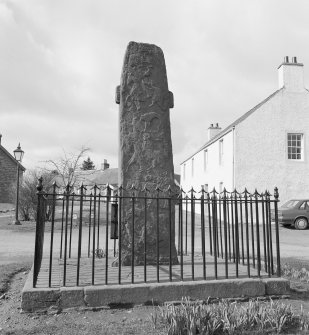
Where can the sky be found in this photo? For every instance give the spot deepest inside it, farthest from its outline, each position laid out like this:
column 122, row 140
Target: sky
column 60, row 62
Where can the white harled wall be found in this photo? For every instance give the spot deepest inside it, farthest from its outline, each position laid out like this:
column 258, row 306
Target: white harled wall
column 261, row 146
column 255, row 150
column 213, row 173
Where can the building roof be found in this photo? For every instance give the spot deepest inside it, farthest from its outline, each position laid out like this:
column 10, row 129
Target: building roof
column 11, row 157
column 102, row 177
column 233, row 124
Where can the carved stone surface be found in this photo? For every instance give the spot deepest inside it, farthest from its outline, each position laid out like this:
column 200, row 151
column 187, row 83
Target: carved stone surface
column 145, row 158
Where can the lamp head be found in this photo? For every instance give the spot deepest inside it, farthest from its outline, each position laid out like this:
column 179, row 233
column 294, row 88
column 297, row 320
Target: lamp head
column 18, row 153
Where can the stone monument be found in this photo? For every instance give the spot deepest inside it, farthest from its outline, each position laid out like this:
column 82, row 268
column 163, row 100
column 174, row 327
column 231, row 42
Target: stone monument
column 145, row 156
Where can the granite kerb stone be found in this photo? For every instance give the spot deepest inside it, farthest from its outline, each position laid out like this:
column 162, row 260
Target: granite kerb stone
column 72, row 297
column 276, row 286
column 37, row 299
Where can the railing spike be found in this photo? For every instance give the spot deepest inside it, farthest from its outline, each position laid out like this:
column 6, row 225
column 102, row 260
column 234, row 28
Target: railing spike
column 192, row 190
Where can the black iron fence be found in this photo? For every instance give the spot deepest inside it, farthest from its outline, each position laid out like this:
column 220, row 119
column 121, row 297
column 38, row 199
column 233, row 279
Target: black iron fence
column 216, row 235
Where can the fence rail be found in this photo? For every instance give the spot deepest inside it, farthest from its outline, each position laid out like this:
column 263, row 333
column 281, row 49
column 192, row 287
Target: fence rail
column 234, row 233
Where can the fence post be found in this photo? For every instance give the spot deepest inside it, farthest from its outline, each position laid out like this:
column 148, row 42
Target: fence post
column 203, row 232
column 120, row 197
column 52, row 233
column 276, row 195
column 67, row 204
column 236, row 233
column 80, row 228
column 256, row 194
column 225, row 234
column 214, row 218
column 180, row 232
column 192, row 230
column 39, row 232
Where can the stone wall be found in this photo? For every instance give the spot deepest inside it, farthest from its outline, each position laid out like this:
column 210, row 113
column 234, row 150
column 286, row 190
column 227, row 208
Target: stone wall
column 7, row 176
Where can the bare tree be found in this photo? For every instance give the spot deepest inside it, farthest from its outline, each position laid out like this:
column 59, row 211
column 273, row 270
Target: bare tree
column 28, row 198
column 67, row 167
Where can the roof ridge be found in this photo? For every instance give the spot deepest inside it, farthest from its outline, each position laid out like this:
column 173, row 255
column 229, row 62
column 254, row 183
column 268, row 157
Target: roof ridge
column 233, row 124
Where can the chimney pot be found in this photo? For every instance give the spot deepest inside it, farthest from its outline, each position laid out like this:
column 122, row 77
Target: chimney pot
column 295, row 60
column 286, row 59
column 0, row 138
column 217, row 125
column 211, row 125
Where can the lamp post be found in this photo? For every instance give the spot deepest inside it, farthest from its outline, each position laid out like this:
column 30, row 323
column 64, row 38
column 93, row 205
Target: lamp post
column 18, row 154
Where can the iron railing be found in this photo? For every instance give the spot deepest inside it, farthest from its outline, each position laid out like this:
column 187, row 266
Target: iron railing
column 217, row 235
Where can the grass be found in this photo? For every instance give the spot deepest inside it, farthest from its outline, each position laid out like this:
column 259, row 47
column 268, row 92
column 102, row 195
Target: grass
column 189, row 317
column 293, row 273
column 226, row 317
column 8, row 271
column 257, row 317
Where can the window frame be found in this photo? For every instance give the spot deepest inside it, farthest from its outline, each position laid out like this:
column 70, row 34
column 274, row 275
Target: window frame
column 221, row 151
column 205, row 159
column 302, row 146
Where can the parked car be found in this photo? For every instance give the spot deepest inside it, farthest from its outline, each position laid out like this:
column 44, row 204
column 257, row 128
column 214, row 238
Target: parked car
column 294, row 212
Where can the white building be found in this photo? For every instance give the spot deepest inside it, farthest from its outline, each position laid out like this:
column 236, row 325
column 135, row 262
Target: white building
column 266, row 147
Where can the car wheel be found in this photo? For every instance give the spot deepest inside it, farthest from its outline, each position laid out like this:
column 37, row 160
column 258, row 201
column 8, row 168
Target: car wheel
column 301, row 223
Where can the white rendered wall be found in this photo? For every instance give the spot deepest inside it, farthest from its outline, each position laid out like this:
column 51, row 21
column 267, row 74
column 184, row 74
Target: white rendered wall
column 261, row 146
column 291, row 76
column 214, row 173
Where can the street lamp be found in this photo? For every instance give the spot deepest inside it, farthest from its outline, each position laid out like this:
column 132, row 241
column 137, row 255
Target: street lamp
column 18, row 154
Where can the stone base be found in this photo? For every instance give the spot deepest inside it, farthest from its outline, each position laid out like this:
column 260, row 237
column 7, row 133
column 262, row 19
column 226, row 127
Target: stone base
column 38, row 299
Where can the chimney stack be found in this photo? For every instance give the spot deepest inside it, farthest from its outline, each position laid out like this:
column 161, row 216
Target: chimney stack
column 105, row 165
column 291, row 75
column 213, row 131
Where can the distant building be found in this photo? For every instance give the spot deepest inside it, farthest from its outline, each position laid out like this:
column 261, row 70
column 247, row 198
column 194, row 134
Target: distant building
column 266, row 147
column 110, row 176
column 101, row 177
column 8, row 174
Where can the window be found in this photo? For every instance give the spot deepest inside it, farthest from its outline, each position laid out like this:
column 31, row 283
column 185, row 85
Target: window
column 205, row 159
column 192, row 166
column 304, row 205
column 295, row 146
column 221, row 151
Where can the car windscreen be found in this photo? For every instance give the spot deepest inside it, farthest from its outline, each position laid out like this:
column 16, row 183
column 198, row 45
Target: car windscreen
column 290, row 204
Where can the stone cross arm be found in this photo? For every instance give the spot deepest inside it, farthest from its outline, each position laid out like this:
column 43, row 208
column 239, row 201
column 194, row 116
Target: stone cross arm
column 170, row 97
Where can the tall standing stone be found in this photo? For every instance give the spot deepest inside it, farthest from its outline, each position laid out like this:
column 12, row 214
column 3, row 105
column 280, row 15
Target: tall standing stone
column 145, row 157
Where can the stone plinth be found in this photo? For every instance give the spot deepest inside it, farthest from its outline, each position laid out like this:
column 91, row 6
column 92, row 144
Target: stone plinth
column 145, row 157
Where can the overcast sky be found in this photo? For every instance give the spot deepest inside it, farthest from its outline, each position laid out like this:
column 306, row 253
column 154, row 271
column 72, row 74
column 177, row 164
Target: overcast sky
column 60, row 62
